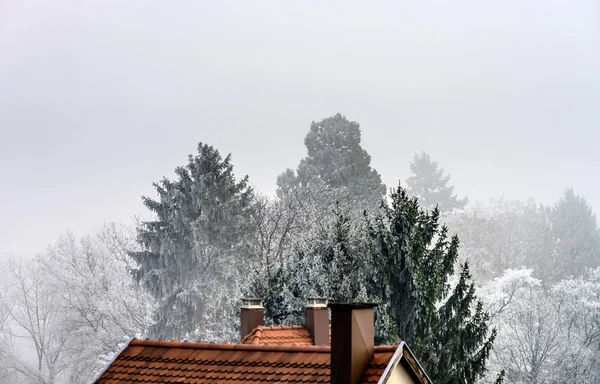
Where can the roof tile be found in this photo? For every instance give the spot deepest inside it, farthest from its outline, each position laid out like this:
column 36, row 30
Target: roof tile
column 280, row 334
column 178, row 362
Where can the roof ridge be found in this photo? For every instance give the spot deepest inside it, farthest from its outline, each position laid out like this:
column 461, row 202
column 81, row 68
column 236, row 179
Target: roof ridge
column 254, row 336
column 280, row 327
column 257, row 335
column 240, row 347
column 246, row 347
column 293, row 326
column 386, row 348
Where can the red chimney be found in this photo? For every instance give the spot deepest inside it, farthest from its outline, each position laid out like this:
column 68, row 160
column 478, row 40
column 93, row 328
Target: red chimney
column 252, row 315
column 352, row 341
column 317, row 320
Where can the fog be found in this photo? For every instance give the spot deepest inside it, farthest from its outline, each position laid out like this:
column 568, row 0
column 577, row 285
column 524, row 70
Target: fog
column 100, row 99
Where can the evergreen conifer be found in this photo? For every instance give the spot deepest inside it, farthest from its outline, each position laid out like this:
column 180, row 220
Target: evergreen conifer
column 194, row 249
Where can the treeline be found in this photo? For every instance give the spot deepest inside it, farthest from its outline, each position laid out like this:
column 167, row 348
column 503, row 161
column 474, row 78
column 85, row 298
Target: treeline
column 538, row 271
column 64, row 312
column 518, row 298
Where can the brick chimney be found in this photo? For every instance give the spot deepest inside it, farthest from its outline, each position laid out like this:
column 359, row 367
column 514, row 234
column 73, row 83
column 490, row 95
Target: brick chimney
column 352, row 340
column 252, row 314
column 317, row 320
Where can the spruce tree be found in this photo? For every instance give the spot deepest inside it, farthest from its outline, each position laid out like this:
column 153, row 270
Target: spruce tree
column 430, row 185
column 459, row 347
column 447, row 328
column 576, row 236
column 195, row 248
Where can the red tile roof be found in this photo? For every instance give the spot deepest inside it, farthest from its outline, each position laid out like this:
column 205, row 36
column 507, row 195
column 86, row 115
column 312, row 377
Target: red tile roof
column 151, row 361
column 280, row 335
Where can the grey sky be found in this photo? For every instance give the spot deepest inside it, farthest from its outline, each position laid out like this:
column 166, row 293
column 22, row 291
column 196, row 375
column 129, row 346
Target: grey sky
column 98, row 99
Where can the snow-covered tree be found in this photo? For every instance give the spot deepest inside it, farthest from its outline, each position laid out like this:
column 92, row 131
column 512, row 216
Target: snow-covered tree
column 37, row 320
column 531, row 338
column 103, row 305
column 498, row 296
column 504, row 234
column 334, row 261
column 275, row 221
column 500, row 292
column 198, row 248
column 337, row 165
column 72, row 305
column 403, row 259
column 545, row 336
column 579, row 302
column 6, row 304
column 430, row 185
column 556, row 242
column 336, row 170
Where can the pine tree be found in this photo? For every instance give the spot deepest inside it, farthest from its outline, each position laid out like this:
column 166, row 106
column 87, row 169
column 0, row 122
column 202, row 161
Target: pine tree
column 576, row 236
column 194, row 251
column 430, row 185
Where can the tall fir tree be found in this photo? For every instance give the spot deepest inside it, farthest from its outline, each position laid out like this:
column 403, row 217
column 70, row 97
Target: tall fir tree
column 429, row 184
column 576, row 236
column 448, row 329
column 414, row 270
column 195, row 249
column 459, row 346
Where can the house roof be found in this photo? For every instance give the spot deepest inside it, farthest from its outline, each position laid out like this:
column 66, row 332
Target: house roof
column 280, row 335
column 158, row 361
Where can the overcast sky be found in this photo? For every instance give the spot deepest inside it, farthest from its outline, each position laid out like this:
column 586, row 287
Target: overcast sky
column 98, row 99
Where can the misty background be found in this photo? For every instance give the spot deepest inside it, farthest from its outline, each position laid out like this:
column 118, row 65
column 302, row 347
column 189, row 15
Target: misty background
column 100, row 99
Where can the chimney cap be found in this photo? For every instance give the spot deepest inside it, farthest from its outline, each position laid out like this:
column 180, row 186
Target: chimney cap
column 351, row 306
column 252, row 302
column 316, row 302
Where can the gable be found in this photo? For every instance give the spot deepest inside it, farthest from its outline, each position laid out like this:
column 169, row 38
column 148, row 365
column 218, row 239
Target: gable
column 400, row 376
column 404, row 368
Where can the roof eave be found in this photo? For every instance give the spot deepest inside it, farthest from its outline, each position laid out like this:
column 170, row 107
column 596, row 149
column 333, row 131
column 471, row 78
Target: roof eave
column 107, row 366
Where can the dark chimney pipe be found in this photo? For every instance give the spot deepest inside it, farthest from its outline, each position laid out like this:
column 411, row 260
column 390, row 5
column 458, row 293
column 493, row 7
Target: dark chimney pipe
column 352, row 341
column 317, row 320
column 252, row 314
